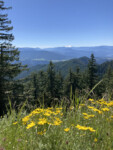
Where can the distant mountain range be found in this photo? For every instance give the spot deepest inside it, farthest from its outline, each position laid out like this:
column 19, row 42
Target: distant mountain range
column 65, row 66
column 35, row 56
column 64, row 58
column 59, row 66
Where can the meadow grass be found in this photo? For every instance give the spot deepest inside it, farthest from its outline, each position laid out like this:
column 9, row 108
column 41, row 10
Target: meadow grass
column 88, row 126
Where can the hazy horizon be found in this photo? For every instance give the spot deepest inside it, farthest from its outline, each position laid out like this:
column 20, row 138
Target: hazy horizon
column 68, row 46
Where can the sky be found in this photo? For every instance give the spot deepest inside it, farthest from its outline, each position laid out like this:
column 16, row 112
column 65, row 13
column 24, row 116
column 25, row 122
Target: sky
column 57, row 23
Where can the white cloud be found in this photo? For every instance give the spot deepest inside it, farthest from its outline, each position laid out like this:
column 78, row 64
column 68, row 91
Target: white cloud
column 68, row 46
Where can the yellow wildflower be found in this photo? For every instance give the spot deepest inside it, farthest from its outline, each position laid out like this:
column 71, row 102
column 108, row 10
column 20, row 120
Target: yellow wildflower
column 86, row 117
column 95, row 109
column 81, row 127
column 66, row 129
column 49, row 108
column 85, row 128
column 57, row 121
column 25, row 119
column 42, row 121
column 59, row 108
column 61, row 114
column 91, row 100
column 90, row 107
column 102, row 102
column 110, row 104
column 100, row 112
column 30, row 125
column 105, row 109
column 47, row 114
column 58, row 111
column 85, row 114
column 95, row 140
column 41, row 132
column 55, row 113
column 89, row 116
column 15, row 122
column 82, row 104
column 91, row 129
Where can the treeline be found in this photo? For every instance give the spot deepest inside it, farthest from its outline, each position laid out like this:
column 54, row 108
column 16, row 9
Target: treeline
column 50, row 87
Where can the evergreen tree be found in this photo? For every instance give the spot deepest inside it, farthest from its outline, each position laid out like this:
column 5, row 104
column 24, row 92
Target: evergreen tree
column 8, row 57
column 42, row 78
column 17, row 95
column 51, row 79
column 35, row 86
column 32, row 88
column 51, row 83
column 68, row 83
column 72, row 82
column 92, row 72
column 108, row 81
column 59, row 85
column 28, row 89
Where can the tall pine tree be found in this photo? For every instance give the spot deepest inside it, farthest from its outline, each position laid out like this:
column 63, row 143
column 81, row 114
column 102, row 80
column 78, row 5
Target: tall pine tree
column 9, row 68
column 51, row 79
column 92, row 72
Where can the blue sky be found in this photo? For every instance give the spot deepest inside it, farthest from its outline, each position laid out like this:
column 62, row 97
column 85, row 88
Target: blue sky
column 53, row 23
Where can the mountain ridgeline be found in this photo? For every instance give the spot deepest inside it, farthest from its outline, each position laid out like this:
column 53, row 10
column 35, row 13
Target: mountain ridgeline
column 34, row 56
column 64, row 58
column 65, row 66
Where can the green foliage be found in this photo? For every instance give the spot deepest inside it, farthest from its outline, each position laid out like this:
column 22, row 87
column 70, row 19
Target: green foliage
column 63, row 67
column 51, row 80
column 51, row 86
column 87, row 127
column 47, row 85
column 9, row 67
column 92, row 70
column 102, row 69
column 108, row 82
